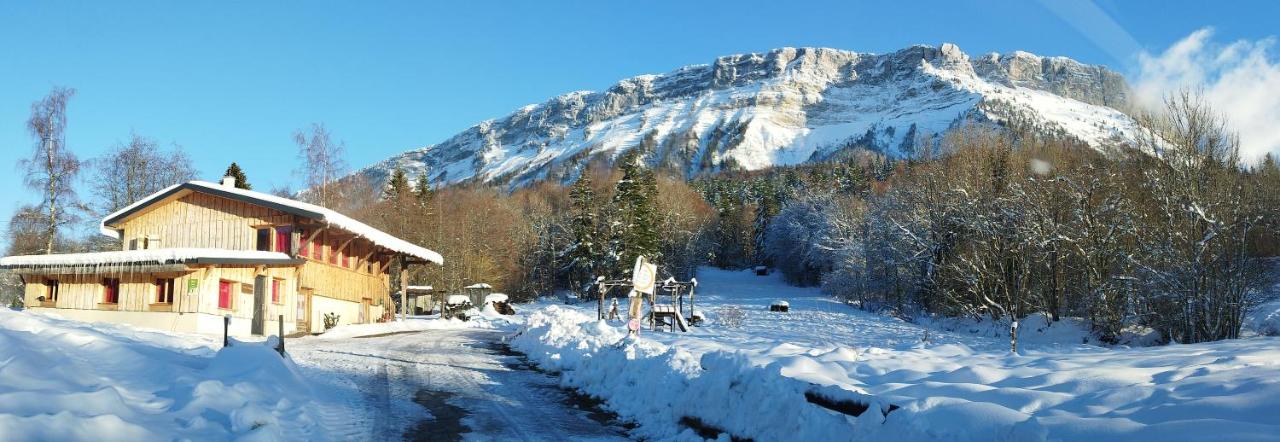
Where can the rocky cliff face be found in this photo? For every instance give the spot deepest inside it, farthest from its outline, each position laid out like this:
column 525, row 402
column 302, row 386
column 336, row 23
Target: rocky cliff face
column 786, row 106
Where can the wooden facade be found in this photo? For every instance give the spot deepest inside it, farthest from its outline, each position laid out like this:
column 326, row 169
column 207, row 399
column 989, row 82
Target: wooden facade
column 222, row 223
column 327, row 269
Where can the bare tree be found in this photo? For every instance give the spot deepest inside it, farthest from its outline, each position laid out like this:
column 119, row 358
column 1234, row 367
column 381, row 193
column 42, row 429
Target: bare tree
column 52, row 168
column 1201, row 280
column 322, row 162
column 127, row 172
column 26, row 231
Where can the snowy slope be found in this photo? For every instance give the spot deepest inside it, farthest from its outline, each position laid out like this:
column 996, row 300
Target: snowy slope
column 751, row 380
column 783, row 107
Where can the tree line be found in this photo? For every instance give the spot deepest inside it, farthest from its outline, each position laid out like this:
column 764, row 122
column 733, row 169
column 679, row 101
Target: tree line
column 1168, row 236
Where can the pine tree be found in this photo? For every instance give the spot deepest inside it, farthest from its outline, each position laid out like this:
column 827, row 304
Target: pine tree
column 397, row 186
column 635, row 225
column 584, row 253
column 241, row 181
column 422, row 190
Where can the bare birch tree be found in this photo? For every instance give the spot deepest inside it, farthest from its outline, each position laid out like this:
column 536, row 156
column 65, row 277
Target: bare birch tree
column 322, row 162
column 52, row 168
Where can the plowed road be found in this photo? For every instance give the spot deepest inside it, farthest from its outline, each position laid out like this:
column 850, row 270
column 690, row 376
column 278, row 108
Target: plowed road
column 441, row 385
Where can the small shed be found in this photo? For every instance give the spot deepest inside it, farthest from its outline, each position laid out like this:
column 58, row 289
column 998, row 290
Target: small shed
column 422, row 299
column 477, row 292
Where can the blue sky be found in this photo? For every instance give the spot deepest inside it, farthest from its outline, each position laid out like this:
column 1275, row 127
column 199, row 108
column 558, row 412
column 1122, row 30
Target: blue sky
column 230, row 81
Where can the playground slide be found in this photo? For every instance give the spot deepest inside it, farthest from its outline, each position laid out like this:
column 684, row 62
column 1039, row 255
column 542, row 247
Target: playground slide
column 684, row 326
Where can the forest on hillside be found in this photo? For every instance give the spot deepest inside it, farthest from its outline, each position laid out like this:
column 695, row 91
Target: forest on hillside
column 1173, row 234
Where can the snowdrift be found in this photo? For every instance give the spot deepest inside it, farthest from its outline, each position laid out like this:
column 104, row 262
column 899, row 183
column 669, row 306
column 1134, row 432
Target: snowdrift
column 1223, row 391
column 67, row 380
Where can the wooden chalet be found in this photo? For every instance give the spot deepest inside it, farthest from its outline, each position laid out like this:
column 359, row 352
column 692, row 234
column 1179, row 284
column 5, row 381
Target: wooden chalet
column 197, row 252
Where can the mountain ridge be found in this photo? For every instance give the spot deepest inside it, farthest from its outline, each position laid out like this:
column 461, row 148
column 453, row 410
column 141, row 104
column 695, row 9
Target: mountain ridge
column 780, row 107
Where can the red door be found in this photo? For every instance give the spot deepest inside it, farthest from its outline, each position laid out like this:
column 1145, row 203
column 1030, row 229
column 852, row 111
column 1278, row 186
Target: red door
column 224, row 295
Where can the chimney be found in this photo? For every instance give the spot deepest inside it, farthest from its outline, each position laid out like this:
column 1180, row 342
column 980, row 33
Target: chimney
column 229, row 181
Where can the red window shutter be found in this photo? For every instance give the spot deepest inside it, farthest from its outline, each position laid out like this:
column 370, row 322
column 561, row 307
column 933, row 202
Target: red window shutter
column 333, row 253
column 159, row 290
column 275, row 291
column 304, row 249
column 283, row 234
column 224, row 295
column 111, row 291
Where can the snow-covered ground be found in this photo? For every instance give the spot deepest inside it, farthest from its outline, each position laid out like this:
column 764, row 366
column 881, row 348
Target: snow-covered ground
column 752, row 380
column 69, row 380
column 423, row 379
column 748, row 372
column 449, row 383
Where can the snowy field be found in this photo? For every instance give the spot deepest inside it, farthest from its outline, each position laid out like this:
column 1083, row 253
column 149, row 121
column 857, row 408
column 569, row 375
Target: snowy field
column 748, row 373
column 752, row 380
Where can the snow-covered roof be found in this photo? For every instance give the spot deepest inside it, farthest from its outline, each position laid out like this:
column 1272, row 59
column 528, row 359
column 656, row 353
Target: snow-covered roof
column 157, row 256
column 458, row 299
column 312, row 211
column 479, row 286
column 781, row 303
column 419, row 288
column 495, row 297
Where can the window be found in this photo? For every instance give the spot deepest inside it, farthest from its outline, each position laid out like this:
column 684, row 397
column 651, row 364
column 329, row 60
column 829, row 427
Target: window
column 51, row 290
column 275, row 291
column 264, row 240
column 284, row 236
column 164, row 291
column 110, row 291
column 224, row 295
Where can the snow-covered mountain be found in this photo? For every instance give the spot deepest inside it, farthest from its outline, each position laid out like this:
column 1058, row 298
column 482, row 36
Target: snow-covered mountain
column 786, row 106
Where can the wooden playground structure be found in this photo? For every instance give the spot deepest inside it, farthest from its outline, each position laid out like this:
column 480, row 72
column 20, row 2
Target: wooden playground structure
column 672, row 314
column 666, row 300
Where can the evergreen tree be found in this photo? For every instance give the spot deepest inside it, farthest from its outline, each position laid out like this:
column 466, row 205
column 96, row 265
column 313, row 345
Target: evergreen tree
column 397, row 186
column 584, row 251
column 634, row 227
column 422, row 190
column 234, row 171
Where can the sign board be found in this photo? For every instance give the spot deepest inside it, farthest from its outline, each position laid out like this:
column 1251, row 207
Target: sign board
column 644, row 275
column 192, row 286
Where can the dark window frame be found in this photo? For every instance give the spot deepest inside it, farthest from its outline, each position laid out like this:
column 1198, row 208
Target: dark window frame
column 164, row 290
column 263, row 241
column 51, row 289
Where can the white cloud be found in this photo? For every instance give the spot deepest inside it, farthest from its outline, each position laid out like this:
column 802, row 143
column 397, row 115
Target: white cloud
column 1241, row 80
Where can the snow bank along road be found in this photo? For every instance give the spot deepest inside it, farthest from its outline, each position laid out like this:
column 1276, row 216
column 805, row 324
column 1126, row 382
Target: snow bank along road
column 951, row 380
column 441, row 384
